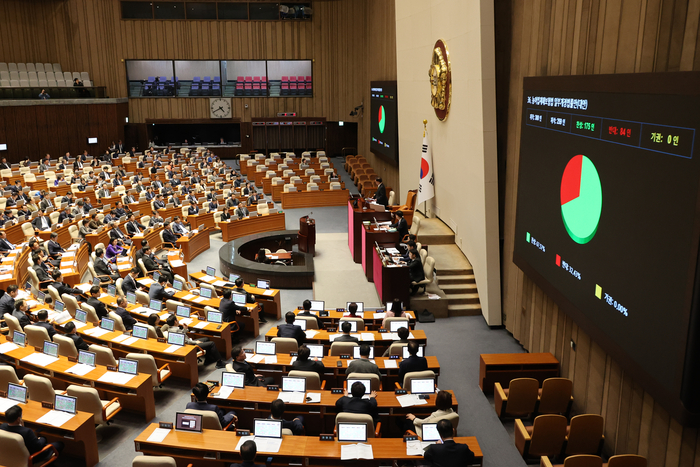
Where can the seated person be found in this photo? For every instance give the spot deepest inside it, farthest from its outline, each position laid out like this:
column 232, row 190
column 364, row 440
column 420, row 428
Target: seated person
column 352, row 310
column 168, row 235
column 346, row 337
column 413, row 362
column 133, row 227
column 193, row 210
column 261, row 257
column 403, row 334
column 114, row 250
column 448, row 453
column 307, row 312
column 241, row 366
column 7, row 301
column 363, row 364
column 356, row 404
column 289, row 329
column 80, row 344
column 303, row 363
column 22, row 313
column 103, row 268
column 5, row 245
column 64, row 288
column 230, row 311
column 129, row 283
column 94, row 301
column 126, row 317
column 443, row 404
column 42, row 321
column 157, row 290
column 394, row 310
column 248, row 452
column 151, row 264
column 213, row 355
column 399, row 224
column 34, row 444
column 296, row 424
column 415, row 270
column 200, row 392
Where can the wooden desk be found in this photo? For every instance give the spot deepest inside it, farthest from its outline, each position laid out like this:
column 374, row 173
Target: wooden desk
column 370, row 237
column 240, row 228
column 78, row 433
column 152, row 237
column 14, row 233
column 176, row 263
column 214, row 448
column 135, row 396
column 268, row 297
column 64, row 239
column 171, row 212
column 371, row 322
column 202, row 218
column 391, row 282
column 194, row 245
column 503, row 367
column 355, row 218
column 322, row 337
column 312, row 199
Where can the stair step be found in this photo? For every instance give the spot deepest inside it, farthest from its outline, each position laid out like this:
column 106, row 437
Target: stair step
column 469, row 309
column 455, row 272
column 457, row 279
column 452, row 289
column 463, row 298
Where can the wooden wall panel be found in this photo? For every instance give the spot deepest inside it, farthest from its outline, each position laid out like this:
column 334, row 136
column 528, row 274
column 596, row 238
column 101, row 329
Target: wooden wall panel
column 560, row 37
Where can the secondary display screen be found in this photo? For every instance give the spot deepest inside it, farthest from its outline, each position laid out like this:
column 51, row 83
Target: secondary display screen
column 384, row 132
column 606, row 219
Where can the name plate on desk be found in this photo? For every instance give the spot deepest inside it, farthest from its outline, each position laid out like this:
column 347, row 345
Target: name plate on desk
column 329, row 437
column 3, row 394
column 400, row 391
column 242, row 432
column 331, row 329
column 162, row 340
column 166, row 425
column 410, row 438
column 345, row 357
column 293, row 354
column 340, row 310
column 381, row 330
column 394, row 357
column 323, row 314
column 111, row 368
column 273, row 387
column 248, row 350
column 38, row 349
column 337, row 391
column 47, row 405
column 73, row 359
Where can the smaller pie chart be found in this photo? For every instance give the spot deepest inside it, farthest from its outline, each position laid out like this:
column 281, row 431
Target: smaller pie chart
column 382, row 119
column 581, row 199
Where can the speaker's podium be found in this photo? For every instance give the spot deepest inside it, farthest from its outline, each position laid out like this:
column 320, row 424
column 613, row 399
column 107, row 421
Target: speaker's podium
column 307, row 235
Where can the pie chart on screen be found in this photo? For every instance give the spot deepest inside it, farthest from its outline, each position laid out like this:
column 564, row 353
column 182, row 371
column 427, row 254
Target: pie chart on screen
column 581, row 199
column 381, row 118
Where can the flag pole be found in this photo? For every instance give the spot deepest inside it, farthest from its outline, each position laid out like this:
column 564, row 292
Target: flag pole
column 425, row 128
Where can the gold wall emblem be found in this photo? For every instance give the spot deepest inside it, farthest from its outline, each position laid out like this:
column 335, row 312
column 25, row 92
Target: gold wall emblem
column 440, row 74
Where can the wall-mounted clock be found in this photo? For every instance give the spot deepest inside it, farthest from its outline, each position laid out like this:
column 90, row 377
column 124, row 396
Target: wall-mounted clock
column 220, row 107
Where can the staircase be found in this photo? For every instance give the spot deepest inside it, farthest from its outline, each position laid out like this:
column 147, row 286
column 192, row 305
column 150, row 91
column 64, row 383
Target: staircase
column 459, row 286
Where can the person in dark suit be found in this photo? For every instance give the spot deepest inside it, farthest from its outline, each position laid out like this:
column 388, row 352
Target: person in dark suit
column 22, row 313
column 193, row 210
column 4, row 165
column 200, row 392
column 289, row 329
column 158, row 203
column 126, row 317
column 103, row 268
column 413, row 362
column 55, row 250
column 41, row 268
column 94, row 301
column 80, row 344
column 129, row 283
column 296, row 424
column 119, row 210
column 303, row 363
column 248, row 452
column 241, row 366
column 157, row 290
column 380, row 195
column 230, row 311
column 42, row 221
column 5, row 245
column 133, row 227
column 65, row 214
column 399, row 224
column 449, row 453
column 168, row 234
column 356, row 404
column 225, row 215
column 62, row 288
column 42, row 321
column 307, row 312
column 151, row 264
column 363, row 364
column 7, row 302
column 346, row 337
column 415, row 270
column 34, row 444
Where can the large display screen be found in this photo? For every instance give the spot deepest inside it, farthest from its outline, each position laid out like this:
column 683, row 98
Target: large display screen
column 606, row 219
column 384, row 133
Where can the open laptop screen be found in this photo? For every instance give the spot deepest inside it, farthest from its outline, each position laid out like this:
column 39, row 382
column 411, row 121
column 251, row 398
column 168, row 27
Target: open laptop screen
column 50, row 348
column 265, row 348
column 267, row 428
column 81, row 315
column 188, row 422
column 238, row 298
column 235, row 380
column 430, row 432
column 59, row 306
column 205, row 292
column 423, row 386
column 131, row 298
column 394, row 326
column 211, row 271
column 128, row 366
column 293, row 384
column 301, row 323
column 356, row 352
column 177, row 285
column 107, row 324
column 318, row 305
column 86, row 358
column 183, row 311
column 353, row 325
column 366, row 382
column 140, row 331
column 156, row 305
column 176, row 338
column 112, row 290
column 263, row 284
column 352, row 432
column 316, row 350
column 19, row 338
column 420, row 353
column 65, row 403
column 360, row 306
column 214, row 317
column 17, row 393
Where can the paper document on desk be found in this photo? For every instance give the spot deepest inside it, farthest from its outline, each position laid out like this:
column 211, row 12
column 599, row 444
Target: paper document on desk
column 366, row 336
column 142, row 310
column 268, row 292
column 68, row 254
column 199, row 299
column 379, row 315
column 146, row 281
column 200, row 325
column 66, row 271
column 176, row 263
column 254, row 358
column 83, row 287
column 207, row 278
column 170, row 290
column 390, row 336
column 8, row 347
column 120, row 338
column 268, row 444
column 314, row 397
column 6, row 404
column 79, row 324
column 97, row 332
column 393, row 251
column 73, row 247
column 55, row 418
column 242, row 440
column 62, row 317
column 271, row 359
column 409, row 400
column 189, row 296
column 115, row 377
column 390, row 364
column 7, row 276
column 130, row 340
column 384, row 223
column 310, row 333
column 291, row 397
column 186, row 321
column 224, row 392
column 219, row 283
column 158, row 435
column 416, row 448
column 172, row 348
column 124, row 266
column 356, row 451
column 39, row 359
column 80, row 369
column 292, row 360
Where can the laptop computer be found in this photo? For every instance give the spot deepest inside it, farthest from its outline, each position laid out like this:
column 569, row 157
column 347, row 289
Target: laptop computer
column 176, row 338
column 360, row 306
column 366, row 382
column 356, row 352
column 66, row 404
column 430, row 432
column 86, row 358
column 205, row 292
column 267, row 428
column 316, row 350
column 394, row 326
column 131, row 298
column 265, row 348
column 130, row 367
column 232, row 277
column 81, row 315
column 214, row 317
column 318, row 305
column 188, row 422
column 238, row 298
column 112, row 290
column 352, row 432
column 19, row 338
column 235, row 380
column 263, row 284
column 107, row 323
column 353, row 325
column 420, row 353
column 96, row 281
column 178, row 285
column 423, row 386
column 156, row 305
column 17, row 393
column 301, row 323
column 59, row 307
column 140, row 331
column 156, row 276
column 293, row 384
column 50, row 348
column 211, row 271
column 183, row 311
column 40, row 297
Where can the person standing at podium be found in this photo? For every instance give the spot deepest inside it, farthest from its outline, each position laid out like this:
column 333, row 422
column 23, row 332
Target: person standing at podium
column 380, row 195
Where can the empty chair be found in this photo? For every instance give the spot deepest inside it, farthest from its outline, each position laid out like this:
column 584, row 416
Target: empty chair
column 581, row 460
column 8, row 375
column 118, row 322
column 14, row 451
column 39, row 67
column 147, row 364
column 67, row 76
column 263, row 209
column 40, row 388
column 372, row 432
column 76, row 75
column 519, row 400
column 313, row 381
column 210, row 287
column 22, row 67
column 103, row 355
column 555, row 396
column 84, row 76
column 3, row 67
column 545, row 437
column 31, row 67
column 36, row 335
column 153, row 461
column 286, row 344
column 12, row 66
column 55, row 66
column 311, row 322
column 342, row 348
column 585, row 435
column 89, row 401
column 627, row 460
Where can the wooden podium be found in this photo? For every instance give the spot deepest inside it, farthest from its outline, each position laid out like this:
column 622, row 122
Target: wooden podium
column 307, row 235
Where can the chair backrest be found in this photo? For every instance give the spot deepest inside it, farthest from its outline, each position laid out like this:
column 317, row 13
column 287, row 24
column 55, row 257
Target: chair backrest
column 453, row 417
column 429, row 268
column 342, row 348
column 388, row 321
column 54, row 293
column 91, row 313
column 397, row 348
column 39, row 388
column 7, row 375
column 555, row 396
column 36, row 335
column 415, row 226
column 210, row 421
column 548, row 434
column 356, row 418
column 583, row 460
column 627, row 460
column 286, row 344
column 263, row 208
column 118, row 284
column 416, row 375
column 585, row 434
column 153, row 461
column 522, row 396
column 66, row 346
column 360, row 322
column 210, row 287
column 13, row 323
column 14, row 451
column 392, row 197
column 142, row 297
column 143, row 270
column 313, row 381
column 27, row 229
column 88, row 400
column 71, row 303
column 103, row 355
column 374, row 379
column 311, row 322
column 118, row 322
column 147, row 364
